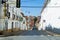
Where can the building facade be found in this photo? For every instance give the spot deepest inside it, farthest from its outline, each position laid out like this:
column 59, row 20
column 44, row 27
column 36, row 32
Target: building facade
column 10, row 16
column 50, row 15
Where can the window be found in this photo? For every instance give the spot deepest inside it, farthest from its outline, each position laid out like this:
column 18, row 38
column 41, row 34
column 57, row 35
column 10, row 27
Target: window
column 8, row 15
column 12, row 26
column 13, row 16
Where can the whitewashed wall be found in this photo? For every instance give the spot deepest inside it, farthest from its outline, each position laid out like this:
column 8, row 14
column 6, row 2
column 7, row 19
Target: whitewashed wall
column 51, row 14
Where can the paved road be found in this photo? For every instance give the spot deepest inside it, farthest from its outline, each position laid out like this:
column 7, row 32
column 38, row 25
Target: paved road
column 41, row 37
column 29, row 32
column 31, row 35
column 34, row 32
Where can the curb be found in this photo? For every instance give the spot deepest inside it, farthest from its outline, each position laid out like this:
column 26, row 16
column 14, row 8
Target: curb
column 53, row 34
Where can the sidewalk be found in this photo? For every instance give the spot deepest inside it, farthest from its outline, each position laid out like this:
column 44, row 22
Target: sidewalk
column 52, row 34
column 5, row 34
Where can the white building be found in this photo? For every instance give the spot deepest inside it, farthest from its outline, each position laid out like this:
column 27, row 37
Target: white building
column 51, row 14
column 15, row 14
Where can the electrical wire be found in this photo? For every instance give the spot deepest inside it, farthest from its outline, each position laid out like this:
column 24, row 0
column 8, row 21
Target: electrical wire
column 29, row 1
column 40, row 6
column 32, row 6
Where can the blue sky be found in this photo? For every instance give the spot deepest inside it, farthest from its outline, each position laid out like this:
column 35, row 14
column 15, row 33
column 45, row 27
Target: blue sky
column 34, row 10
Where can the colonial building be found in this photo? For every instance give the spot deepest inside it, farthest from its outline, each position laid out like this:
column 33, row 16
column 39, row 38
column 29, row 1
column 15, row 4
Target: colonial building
column 9, row 16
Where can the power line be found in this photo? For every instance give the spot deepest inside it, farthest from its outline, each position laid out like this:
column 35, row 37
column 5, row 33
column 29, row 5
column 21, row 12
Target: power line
column 40, row 6
column 28, row 0
column 32, row 6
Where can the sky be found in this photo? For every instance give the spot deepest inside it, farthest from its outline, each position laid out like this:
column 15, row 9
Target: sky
column 31, row 7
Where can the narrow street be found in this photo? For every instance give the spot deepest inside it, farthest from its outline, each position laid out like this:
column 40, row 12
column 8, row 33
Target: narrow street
column 31, row 35
column 26, row 33
column 34, row 32
column 29, row 20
